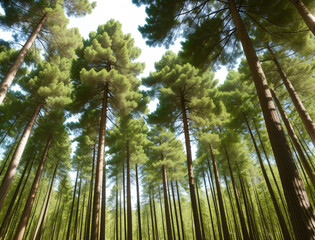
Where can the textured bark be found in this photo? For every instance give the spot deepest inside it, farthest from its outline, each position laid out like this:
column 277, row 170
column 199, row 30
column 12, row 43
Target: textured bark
column 301, row 212
column 180, row 211
column 190, row 170
column 294, row 139
column 8, row 178
column 72, row 206
column 129, row 210
column 9, row 77
column 138, row 204
column 306, row 15
column 31, row 197
column 167, row 213
column 99, row 167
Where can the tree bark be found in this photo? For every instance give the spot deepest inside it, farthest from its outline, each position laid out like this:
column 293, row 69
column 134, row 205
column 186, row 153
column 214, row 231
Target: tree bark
column 180, row 211
column 99, row 167
column 307, row 16
column 152, row 219
column 8, row 178
column 167, row 213
column 31, row 197
column 190, row 170
column 171, row 211
column 138, row 204
column 72, row 206
column 129, row 210
column 9, row 77
column 200, row 213
column 301, row 213
column 155, row 219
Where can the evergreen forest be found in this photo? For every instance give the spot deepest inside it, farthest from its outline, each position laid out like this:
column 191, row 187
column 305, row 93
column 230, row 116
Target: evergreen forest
column 82, row 156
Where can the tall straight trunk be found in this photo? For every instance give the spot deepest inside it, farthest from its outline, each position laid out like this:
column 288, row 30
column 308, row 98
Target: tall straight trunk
column 209, row 207
column 138, row 204
column 190, row 170
column 200, row 213
column 171, row 211
column 237, row 200
column 103, row 207
column 31, row 197
column 88, row 210
column 180, row 211
column 124, row 197
column 9, row 77
column 306, row 15
column 152, row 219
column 81, row 218
column 217, row 181
column 99, row 167
column 41, row 221
column 116, row 210
column 175, row 210
column 120, row 222
column 161, row 207
column 9, row 212
column 8, row 178
column 294, row 139
column 129, row 210
column 301, row 212
column 167, row 213
column 283, row 225
column 56, row 217
column 305, row 117
column 59, row 224
column 148, row 225
column 72, row 206
column 155, row 219
column 75, row 230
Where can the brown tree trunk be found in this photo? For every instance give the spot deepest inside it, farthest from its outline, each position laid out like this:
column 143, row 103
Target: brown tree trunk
column 155, row 219
column 138, row 204
column 171, row 211
column 72, row 206
column 99, row 167
column 162, row 216
column 294, row 139
column 305, row 117
column 8, row 79
column 307, row 16
column 175, row 210
column 200, row 213
column 180, row 211
column 152, row 219
column 31, row 197
column 8, row 178
column 167, row 213
column 129, row 210
column 190, row 170
column 301, row 212
column 283, row 225
column 103, row 207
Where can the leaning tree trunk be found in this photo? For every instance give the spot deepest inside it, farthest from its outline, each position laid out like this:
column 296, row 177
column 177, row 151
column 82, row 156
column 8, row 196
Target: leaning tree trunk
column 99, row 167
column 8, row 178
column 190, row 170
column 129, row 210
column 294, row 139
column 138, row 204
column 167, row 213
column 307, row 16
column 301, row 212
column 32, row 194
column 221, row 206
column 305, row 117
column 8, row 79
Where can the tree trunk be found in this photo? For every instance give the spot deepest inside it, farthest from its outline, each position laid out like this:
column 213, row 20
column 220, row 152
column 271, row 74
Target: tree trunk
column 129, row 210
column 175, row 210
column 77, row 213
column 82, row 214
column 283, row 225
column 167, row 213
column 294, row 139
column 72, row 206
column 152, row 219
column 124, row 197
column 200, row 213
column 161, row 207
column 116, row 218
column 99, row 167
column 217, row 181
column 138, row 204
column 8, row 178
column 31, row 197
column 190, row 170
column 180, row 211
column 171, row 211
column 103, row 208
column 301, row 212
column 56, row 216
column 8, row 79
column 155, row 219
column 305, row 117
column 307, row 16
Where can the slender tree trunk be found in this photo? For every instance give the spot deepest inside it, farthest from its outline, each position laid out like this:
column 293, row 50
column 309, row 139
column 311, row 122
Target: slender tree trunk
column 171, row 211
column 72, row 206
column 167, row 213
column 31, row 197
column 190, row 170
column 217, row 181
column 103, row 208
column 116, row 190
column 120, row 218
column 99, row 167
column 56, row 216
column 305, row 117
column 138, row 204
column 82, row 214
column 148, row 225
column 75, row 230
column 180, row 211
column 294, row 139
column 88, row 210
column 283, row 225
column 124, row 196
column 200, row 213
column 155, row 219
column 307, row 16
column 8, row 178
column 161, row 207
column 301, row 212
column 175, row 210
column 8, row 79
column 152, row 219
column 129, row 210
